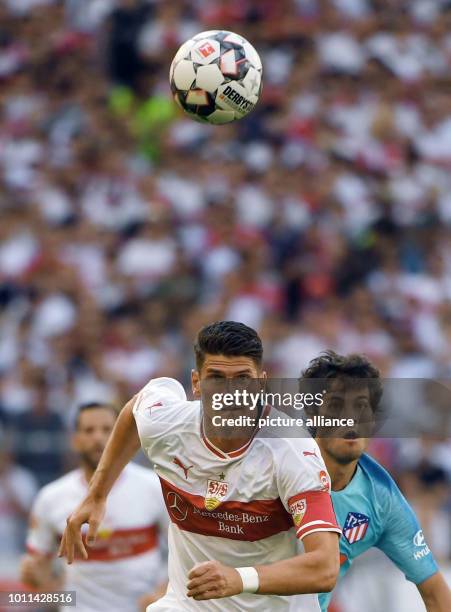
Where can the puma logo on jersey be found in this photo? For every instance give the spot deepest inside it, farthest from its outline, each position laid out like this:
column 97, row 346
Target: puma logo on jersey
column 155, row 405
column 309, row 454
column 179, row 464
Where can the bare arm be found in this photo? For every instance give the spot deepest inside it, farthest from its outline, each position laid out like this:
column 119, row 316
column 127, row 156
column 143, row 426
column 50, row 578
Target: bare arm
column 36, row 571
column 149, row 598
column 315, row 571
column 120, row 449
column 435, row 593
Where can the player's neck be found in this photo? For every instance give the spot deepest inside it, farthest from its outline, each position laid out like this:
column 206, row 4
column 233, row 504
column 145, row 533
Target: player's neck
column 228, row 439
column 87, row 471
column 340, row 475
column 226, row 445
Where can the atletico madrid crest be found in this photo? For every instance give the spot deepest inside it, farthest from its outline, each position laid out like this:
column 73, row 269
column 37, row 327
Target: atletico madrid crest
column 216, row 491
column 355, row 527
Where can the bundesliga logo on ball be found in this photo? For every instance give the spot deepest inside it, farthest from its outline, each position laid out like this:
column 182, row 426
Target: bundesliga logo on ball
column 216, row 77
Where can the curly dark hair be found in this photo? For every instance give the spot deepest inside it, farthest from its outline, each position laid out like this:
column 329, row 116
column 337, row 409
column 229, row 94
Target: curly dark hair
column 331, row 365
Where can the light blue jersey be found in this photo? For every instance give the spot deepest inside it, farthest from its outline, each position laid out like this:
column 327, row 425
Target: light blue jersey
column 373, row 512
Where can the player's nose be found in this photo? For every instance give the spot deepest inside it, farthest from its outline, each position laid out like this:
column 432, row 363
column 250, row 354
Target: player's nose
column 99, row 441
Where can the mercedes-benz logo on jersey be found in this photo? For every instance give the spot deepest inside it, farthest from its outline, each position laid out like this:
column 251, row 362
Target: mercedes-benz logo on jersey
column 177, row 506
column 418, row 538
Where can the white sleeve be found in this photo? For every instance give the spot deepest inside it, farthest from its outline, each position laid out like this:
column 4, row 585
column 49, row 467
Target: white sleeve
column 158, row 392
column 42, row 537
column 153, row 405
column 304, row 487
column 24, row 489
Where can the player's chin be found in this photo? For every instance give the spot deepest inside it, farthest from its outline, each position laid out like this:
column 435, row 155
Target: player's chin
column 93, row 457
column 349, row 448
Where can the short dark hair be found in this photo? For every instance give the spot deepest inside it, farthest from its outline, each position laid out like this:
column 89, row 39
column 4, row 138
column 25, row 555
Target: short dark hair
column 92, row 406
column 229, row 338
column 331, row 365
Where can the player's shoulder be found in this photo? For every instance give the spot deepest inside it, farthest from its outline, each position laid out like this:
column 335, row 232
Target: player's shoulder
column 296, row 448
column 161, row 396
column 381, row 483
column 374, row 470
column 53, row 491
column 22, row 476
column 167, row 389
column 161, row 410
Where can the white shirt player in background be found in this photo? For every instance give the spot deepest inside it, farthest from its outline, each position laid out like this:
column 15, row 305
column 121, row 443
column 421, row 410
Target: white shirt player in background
column 238, row 503
column 127, row 562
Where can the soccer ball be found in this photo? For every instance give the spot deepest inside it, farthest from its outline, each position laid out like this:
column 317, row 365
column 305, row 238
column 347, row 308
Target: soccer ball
column 216, row 77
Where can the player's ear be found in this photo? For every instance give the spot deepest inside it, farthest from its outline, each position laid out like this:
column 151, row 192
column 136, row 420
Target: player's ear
column 195, row 383
column 262, row 380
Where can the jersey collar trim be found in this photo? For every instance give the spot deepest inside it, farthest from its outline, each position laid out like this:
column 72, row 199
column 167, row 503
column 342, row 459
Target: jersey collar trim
column 235, row 453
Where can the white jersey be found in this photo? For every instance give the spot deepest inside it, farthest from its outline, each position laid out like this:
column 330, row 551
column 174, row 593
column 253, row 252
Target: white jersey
column 125, row 562
column 241, row 508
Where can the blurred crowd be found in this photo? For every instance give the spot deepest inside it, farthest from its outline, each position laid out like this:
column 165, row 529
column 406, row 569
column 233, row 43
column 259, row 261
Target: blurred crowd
column 323, row 219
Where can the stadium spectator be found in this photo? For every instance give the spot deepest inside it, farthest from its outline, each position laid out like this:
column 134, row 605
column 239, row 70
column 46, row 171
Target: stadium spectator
column 39, row 437
column 17, row 490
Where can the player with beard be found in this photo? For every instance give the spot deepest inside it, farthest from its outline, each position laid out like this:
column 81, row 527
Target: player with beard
column 368, row 504
column 125, row 565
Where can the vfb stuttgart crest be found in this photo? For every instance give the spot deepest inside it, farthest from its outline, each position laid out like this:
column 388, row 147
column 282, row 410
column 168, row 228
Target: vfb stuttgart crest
column 216, row 491
column 298, row 510
column 325, row 482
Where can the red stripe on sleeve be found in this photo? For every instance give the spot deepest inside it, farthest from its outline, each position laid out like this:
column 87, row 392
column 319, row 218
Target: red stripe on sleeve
column 312, row 511
column 35, row 551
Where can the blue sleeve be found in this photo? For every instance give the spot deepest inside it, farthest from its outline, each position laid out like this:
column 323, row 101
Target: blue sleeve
column 403, row 541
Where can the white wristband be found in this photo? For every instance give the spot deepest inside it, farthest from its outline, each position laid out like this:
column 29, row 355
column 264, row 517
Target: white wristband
column 249, row 576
